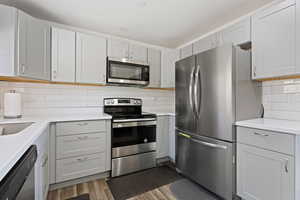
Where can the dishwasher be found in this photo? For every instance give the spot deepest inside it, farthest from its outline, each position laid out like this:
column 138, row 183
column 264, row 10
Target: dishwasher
column 18, row 184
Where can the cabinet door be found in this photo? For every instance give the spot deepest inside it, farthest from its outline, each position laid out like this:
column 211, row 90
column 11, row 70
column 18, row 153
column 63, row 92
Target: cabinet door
column 162, row 136
column 34, row 47
column 41, row 166
column 138, row 53
column 45, row 176
column 238, row 33
column 154, row 60
column 63, row 55
column 8, row 20
column 273, row 46
column 172, row 138
column 118, row 49
column 169, row 57
column 91, row 59
column 205, row 44
column 264, row 175
column 186, row 51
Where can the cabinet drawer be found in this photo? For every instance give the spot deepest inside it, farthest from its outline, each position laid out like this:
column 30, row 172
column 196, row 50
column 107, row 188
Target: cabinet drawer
column 77, row 145
column 71, row 128
column 273, row 141
column 77, row 167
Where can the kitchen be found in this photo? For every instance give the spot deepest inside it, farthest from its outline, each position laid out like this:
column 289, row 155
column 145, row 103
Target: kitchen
column 97, row 105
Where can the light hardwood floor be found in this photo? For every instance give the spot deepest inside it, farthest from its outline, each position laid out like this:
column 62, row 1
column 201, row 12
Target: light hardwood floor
column 99, row 190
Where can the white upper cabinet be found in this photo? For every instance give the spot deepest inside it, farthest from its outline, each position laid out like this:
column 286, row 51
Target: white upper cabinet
column 154, row 59
column 238, row 33
column 8, row 21
column 186, row 51
column 90, row 59
column 205, row 44
column 121, row 49
column 118, row 49
column 34, row 47
column 63, row 55
column 138, row 53
column 25, row 45
column 274, row 41
column 169, row 57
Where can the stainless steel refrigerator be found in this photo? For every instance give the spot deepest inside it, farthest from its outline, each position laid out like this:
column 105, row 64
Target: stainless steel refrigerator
column 213, row 90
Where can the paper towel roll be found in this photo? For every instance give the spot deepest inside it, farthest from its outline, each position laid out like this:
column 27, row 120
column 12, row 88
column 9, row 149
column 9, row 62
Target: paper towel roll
column 12, row 104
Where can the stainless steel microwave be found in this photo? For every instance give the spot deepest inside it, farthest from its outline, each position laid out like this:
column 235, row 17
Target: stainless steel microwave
column 123, row 72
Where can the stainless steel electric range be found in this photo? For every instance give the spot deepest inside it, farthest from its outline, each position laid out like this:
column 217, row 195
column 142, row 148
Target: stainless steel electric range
column 133, row 136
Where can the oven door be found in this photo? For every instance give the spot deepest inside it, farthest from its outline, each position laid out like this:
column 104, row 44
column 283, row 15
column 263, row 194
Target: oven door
column 129, row 138
column 119, row 72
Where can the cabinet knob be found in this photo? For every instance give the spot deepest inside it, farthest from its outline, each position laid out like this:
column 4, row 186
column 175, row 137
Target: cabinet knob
column 23, row 68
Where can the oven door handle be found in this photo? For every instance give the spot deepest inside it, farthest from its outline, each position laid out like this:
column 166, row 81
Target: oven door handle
column 133, row 120
column 133, row 124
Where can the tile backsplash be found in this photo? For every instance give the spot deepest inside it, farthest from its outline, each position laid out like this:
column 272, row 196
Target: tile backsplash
column 281, row 99
column 58, row 99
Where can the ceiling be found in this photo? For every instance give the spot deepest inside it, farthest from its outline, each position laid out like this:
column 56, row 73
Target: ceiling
column 167, row 23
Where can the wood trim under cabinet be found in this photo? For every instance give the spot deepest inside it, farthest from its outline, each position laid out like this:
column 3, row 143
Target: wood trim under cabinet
column 278, row 78
column 24, row 80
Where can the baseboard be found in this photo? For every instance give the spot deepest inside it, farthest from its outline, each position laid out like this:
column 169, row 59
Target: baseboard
column 79, row 180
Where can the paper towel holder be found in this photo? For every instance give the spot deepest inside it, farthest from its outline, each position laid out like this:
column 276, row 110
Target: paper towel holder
column 12, row 117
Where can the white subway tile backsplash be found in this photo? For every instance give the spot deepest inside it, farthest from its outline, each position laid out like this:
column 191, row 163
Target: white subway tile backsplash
column 67, row 99
column 281, row 99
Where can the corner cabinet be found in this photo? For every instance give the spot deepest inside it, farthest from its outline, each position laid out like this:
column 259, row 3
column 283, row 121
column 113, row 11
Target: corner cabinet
column 274, row 41
column 34, row 47
column 63, row 55
column 90, row 59
column 25, row 45
column 265, row 165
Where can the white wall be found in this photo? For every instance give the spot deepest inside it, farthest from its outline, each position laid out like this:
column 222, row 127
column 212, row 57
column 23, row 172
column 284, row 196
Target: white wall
column 282, row 99
column 55, row 99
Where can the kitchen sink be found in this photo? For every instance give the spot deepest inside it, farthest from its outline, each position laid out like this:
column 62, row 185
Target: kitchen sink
column 13, row 128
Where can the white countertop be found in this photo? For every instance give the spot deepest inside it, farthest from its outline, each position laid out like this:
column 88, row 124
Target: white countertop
column 12, row 147
column 283, row 126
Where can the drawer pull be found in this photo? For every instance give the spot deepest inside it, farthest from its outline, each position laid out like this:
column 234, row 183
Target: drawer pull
column 45, row 162
column 83, row 138
column 82, row 159
column 286, row 167
column 261, row 134
column 83, row 124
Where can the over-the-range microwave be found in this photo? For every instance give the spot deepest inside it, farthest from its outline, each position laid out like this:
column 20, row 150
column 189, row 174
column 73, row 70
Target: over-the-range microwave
column 124, row 72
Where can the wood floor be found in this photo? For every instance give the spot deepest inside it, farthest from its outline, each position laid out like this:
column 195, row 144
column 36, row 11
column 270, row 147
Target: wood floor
column 99, row 190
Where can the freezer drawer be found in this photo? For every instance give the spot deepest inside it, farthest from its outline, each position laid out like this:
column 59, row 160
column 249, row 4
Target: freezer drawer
column 209, row 162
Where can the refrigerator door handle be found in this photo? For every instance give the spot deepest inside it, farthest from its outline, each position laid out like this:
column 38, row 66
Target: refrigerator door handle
column 191, row 99
column 196, row 90
column 208, row 144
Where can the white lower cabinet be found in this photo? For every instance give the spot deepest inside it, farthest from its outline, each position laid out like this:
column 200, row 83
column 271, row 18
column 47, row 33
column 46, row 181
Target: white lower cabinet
column 162, row 137
column 172, row 138
column 165, row 137
column 42, row 166
column 82, row 148
column 263, row 174
column 77, row 167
